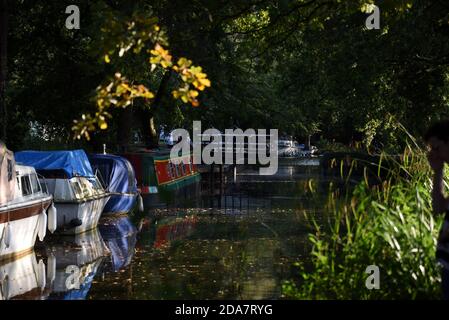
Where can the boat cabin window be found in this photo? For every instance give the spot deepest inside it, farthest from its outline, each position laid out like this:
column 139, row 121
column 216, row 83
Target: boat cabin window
column 84, row 188
column 96, row 184
column 77, row 189
column 26, row 186
column 183, row 168
column 171, row 170
column 34, row 184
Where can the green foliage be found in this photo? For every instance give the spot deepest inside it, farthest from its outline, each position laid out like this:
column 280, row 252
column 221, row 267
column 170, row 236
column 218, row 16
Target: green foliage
column 389, row 225
column 325, row 145
column 51, row 73
column 304, row 67
column 135, row 35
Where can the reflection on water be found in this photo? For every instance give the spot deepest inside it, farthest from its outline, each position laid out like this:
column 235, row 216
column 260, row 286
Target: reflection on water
column 206, row 255
column 68, row 265
column 166, row 231
column 120, row 236
column 240, row 242
column 22, row 279
column 72, row 264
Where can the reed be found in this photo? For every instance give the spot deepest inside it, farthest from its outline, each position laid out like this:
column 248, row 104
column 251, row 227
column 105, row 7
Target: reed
column 390, row 225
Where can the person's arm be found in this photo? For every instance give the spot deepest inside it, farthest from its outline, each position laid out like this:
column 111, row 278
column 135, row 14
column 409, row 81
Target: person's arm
column 439, row 202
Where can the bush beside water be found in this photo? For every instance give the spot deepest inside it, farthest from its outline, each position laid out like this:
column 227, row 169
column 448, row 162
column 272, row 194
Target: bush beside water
column 390, row 225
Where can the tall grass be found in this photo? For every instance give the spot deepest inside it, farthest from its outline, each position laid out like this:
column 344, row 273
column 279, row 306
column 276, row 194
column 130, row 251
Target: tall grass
column 390, row 225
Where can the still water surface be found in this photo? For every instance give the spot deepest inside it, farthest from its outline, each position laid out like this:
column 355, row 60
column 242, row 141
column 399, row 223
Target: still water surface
column 235, row 242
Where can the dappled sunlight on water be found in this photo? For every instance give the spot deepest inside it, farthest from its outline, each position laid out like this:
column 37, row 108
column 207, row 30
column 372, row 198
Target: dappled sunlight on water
column 208, row 257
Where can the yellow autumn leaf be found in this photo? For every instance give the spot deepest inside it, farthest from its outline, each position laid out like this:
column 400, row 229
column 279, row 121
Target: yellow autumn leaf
column 184, row 63
column 166, row 64
column 205, row 82
column 155, row 60
column 194, row 93
column 148, row 95
column 103, row 125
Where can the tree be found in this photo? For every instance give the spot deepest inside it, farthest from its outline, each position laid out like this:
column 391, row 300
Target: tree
column 139, row 34
column 303, row 66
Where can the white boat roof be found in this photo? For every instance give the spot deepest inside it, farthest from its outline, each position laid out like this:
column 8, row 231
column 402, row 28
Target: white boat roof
column 24, row 170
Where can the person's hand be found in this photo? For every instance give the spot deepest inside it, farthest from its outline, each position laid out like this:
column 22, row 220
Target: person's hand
column 436, row 163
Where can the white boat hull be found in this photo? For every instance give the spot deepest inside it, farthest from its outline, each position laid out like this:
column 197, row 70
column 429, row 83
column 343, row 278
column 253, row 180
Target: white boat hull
column 88, row 212
column 22, row 237
column 19, row 226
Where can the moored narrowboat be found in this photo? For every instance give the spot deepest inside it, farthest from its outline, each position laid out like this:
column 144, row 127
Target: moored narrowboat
column 120, row 181
column 78, row 195
column 159, row 177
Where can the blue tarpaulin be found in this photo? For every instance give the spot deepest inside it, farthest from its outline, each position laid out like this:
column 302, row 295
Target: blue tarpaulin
column 117, row 173
column 120, row 180
column 73, row 163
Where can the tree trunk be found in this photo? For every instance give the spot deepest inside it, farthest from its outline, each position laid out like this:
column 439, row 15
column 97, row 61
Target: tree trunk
column 3, row 66
column 150, row 132
column 124, row 131
column 145, row 117
column 308, row 142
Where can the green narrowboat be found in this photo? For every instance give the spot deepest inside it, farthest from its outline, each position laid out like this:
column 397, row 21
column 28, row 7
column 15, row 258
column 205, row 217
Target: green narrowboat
column 161, row 179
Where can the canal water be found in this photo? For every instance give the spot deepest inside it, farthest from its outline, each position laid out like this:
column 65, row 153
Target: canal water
column 237, row 241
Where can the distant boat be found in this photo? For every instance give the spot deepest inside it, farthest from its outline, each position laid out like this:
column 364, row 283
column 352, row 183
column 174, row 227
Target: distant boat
column 120, row 180
column 288, row 148
column 157, row 175
column 78, row 194
column 23, row 207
